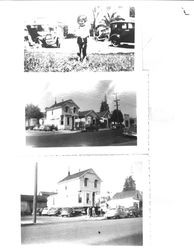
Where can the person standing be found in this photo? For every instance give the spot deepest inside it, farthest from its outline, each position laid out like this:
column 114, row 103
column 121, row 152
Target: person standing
column 82, row 35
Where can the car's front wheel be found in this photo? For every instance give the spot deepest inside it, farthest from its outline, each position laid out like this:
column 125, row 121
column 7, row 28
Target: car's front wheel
column 115, row 42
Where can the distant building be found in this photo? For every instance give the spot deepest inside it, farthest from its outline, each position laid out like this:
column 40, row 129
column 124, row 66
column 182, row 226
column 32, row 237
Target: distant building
column 77, row 190
column 27, row 203
column 31, row 122
column 126, row 120
column 62, row 114
column 104, row 117
column 126, row 199
column 86, row 118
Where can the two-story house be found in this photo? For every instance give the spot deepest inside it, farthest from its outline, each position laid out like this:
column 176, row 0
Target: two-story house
column 77, row 190
column 62, row 114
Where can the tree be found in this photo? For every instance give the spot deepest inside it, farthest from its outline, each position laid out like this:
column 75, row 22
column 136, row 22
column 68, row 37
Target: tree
column 117, row 116
column 104, row 105
column 129, row 184
column 95, row 12
column 32, row 111
column 108, row 18
column 132, row 12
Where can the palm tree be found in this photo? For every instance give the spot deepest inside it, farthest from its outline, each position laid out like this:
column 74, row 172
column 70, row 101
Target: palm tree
column 108, row 18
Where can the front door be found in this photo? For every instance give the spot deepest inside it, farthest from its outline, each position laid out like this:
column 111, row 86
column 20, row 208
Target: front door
column 93, row 199
column 73, row 122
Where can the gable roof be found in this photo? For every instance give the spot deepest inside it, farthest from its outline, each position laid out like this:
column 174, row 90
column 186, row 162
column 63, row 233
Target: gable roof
column 86, row 113
column 59, row 104
column 103, row 113
column 128, row 194
column 76, row 175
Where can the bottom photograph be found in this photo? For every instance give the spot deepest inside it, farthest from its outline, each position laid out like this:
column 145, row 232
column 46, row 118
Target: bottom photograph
column 83, row 200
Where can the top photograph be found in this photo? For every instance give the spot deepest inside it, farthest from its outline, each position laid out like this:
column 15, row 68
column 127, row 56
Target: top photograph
column 81, row 37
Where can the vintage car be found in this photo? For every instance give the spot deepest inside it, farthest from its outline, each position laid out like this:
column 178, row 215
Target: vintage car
column 90, row 128
column 116, row 213
column 122, row 32
column 70, row 212
column 44, row 36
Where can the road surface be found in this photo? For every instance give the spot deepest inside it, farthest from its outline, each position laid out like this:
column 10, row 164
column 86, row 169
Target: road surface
column 100, row 232
column 99, row 138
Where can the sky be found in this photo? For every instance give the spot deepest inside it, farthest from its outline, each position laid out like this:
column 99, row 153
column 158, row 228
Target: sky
column 113, row 170
column 87, row 91
column 67, row 13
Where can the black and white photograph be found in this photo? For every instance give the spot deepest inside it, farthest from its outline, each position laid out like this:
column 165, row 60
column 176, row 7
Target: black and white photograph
column 82, row 201
column 80, row 36
column 84, row 112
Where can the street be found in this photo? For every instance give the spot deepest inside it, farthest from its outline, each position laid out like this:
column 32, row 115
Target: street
column 99, row 138
column 92, row 232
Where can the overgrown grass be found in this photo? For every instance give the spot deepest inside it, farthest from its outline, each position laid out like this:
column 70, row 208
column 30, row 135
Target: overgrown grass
column 59, row 62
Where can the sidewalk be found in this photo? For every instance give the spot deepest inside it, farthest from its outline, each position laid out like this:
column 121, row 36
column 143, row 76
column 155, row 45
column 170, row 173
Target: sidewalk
column 50, row 220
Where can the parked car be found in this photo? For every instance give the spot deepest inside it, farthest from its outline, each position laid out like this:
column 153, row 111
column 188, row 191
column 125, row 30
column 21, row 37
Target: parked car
column 122, row 32
column 118, row 126
column 129, row 132
column 70, row 212
column 116, row 213
column 132, row 211
column 90, row 128
column 36, row 127
column 50, row 128
column 38, row 211
column 54, row 211
column 45, row 211
column 45, row 36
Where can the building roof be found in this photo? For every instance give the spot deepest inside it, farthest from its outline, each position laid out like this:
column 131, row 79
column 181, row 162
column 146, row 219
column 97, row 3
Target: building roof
column 46, row 194
column 103, row 113
column 59, row 104
column 30, row 198
column 128, row 194
column 86, row 113
column 76, row 175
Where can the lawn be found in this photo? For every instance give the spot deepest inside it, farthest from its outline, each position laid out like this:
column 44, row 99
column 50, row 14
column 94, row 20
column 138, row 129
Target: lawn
column 59, row 62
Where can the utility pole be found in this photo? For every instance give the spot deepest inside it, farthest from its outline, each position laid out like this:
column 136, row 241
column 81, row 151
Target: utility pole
column 117, row 106
column 35, row 192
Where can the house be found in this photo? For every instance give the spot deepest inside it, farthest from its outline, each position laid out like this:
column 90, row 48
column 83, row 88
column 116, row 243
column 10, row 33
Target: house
column 27, row 203
column 104, row 117
column 86, row 118
column 62, row 114
column 31, row 122
column 126, row 199
column 126, row 120
column 77, row 190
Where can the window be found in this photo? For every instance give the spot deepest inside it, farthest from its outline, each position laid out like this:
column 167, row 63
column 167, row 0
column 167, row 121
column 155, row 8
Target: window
column 79, row 198
column 66, row 109
column 130, row 26
column 85, row 182
column 95, row 183
column 67, row 120
column 87, row 198
column 62, row 119
column 124, row 26
column 74, row 110
column 65, row 187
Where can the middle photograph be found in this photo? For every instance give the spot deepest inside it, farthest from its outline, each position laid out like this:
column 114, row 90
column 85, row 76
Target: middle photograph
column 82, row 111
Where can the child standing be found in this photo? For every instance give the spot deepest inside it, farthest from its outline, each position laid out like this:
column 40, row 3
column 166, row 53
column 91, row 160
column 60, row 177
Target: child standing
column 82, row 35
